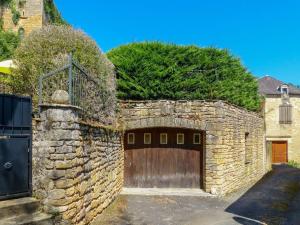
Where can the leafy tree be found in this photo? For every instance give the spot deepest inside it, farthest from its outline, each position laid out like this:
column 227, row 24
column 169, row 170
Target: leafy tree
column 153, row 70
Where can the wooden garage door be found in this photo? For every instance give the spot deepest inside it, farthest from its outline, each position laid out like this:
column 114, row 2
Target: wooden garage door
column 279, row 152
column 163, row 165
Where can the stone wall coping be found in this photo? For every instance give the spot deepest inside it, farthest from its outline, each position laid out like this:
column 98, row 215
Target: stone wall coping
column 90, row 123
column 191, row 101
column 95, row 124
column 64, row 106
column 165, row 100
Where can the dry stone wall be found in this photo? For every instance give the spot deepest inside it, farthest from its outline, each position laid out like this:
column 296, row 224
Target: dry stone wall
column 234, row 154
column 77, row 167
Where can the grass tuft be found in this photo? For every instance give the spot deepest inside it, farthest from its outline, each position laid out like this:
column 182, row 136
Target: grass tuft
column 294, row 164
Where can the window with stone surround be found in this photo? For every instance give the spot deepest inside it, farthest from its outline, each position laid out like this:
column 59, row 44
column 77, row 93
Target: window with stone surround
column 284, row 89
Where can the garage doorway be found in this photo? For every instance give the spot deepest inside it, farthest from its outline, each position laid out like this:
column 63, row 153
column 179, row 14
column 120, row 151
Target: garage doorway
column 279, row 152
column 163, row 158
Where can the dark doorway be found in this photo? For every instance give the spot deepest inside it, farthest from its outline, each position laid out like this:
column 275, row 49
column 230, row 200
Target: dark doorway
column 15, row 146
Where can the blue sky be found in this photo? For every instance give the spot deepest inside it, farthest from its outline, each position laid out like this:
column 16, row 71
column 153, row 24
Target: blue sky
column 265, row 34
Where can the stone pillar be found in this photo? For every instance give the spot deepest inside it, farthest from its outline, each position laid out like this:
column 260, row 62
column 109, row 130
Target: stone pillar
column 57, row 158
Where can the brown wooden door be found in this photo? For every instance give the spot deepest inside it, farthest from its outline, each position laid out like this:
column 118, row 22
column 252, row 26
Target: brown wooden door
column 279, row 152
column 168, row 165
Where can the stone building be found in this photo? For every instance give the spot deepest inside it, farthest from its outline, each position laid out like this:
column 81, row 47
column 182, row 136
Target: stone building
column 32, row 16
column 282, row 113
column 210, row 145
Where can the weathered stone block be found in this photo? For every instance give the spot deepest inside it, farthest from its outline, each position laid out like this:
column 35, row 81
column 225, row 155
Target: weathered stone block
column 56, row 174
column 57, row 194
column 64, row 183
column 64, row 164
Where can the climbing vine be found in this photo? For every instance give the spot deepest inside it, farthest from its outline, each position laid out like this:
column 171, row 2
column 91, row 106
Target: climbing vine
column 15, row 14
column 53, row 13
column 12, row 5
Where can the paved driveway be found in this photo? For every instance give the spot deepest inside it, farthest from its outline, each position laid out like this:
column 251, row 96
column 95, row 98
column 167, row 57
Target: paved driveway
column 274, row 200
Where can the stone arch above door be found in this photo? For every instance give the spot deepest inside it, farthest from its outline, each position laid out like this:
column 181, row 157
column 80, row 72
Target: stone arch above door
column 165, row 121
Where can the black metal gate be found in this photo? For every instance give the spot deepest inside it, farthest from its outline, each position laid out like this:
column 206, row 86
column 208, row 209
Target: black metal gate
column 15, row 146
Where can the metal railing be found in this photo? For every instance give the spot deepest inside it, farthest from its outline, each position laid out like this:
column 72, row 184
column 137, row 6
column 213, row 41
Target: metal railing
column 84, row 90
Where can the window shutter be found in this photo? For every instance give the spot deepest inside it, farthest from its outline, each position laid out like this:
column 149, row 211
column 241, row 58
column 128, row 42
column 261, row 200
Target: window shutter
column 285, row 114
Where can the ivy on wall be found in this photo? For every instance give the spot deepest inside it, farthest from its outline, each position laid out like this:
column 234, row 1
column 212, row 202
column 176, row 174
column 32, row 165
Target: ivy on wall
column 12, row 5
column 52, row 13
column 15, row 13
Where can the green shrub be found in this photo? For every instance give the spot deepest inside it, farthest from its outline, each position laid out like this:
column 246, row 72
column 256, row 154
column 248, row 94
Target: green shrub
column 153, row 70
column 47, row 49
column 9, row 41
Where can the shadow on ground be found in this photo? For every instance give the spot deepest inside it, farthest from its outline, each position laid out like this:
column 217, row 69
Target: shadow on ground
column 274, row 201
column 270, row 201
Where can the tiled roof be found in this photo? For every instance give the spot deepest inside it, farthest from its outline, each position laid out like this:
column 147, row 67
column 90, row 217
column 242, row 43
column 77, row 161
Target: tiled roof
column 269, row 86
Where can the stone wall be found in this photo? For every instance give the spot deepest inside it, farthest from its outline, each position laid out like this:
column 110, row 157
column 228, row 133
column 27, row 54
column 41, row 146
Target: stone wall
column 284, row 132
column 32, row 16
column 231, row 133
column 77, row 167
